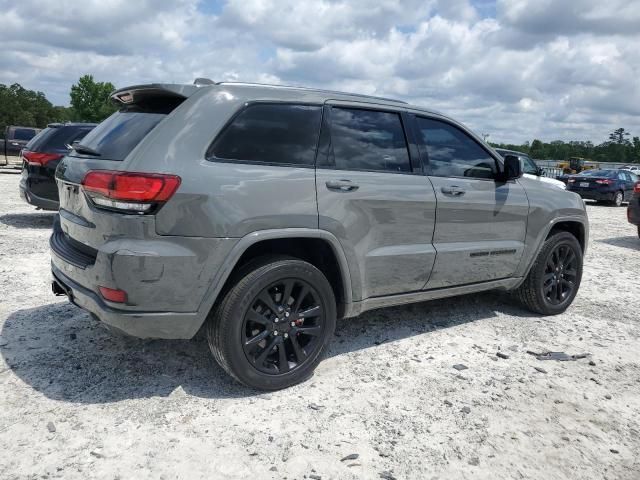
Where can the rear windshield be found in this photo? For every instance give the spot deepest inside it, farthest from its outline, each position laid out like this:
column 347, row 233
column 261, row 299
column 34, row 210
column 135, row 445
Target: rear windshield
column 57, row 138
column 119, row 134
column 599, row 173
column 24, row 133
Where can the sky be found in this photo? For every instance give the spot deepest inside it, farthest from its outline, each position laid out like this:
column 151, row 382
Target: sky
column 513, row 69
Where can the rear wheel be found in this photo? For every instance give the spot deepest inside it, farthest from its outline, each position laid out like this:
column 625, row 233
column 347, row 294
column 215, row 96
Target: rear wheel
column 272, row 327
column 554, row 278
column 618, row 198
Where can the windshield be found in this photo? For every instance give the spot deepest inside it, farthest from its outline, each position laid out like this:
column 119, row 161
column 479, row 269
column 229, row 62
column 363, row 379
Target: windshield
column 119, row 134
column 599, row 173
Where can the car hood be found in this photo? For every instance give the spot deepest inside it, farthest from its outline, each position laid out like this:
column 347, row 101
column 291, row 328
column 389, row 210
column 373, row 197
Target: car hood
column 547, row 180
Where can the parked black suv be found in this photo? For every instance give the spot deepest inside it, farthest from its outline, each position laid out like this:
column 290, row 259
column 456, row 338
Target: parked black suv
column 40, row 158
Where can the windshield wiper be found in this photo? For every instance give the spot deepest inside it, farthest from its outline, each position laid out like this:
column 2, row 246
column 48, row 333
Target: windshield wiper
column 83, row 149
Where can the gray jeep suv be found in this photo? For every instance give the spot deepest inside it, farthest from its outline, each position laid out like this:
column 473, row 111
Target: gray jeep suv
column 265, row 213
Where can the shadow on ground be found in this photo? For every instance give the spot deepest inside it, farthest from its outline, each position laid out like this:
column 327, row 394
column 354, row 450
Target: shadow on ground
column 632, row 242
column 63, row 354
column 29, row 220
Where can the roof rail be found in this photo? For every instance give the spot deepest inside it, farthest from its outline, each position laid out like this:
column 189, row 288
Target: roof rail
column 312, row 90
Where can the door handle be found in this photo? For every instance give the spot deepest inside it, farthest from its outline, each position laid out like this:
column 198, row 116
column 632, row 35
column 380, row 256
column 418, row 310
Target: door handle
column 341, row 185
column 453, row 190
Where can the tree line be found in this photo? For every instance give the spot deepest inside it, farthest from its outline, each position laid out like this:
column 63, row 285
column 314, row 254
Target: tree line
column 619, row 147
column 28, row 108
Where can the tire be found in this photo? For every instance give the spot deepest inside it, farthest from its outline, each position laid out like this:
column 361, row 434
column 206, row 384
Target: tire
column 533, row 291
column 233, row 326
column 618, row 198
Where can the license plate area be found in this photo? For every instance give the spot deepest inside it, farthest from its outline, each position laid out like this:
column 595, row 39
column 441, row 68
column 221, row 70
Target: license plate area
column 584, row 184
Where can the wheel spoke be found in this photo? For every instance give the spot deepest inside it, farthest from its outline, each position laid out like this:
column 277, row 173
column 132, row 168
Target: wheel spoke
column 253, row 341
column 310, row 312
column 297, row 349
column 301, row 296
column 265, row 353
column 256, row 317
column 547, row 288
column 265, row 298
column 570, row 273
column 288, row 288
column 313, row 331
column 283, row 366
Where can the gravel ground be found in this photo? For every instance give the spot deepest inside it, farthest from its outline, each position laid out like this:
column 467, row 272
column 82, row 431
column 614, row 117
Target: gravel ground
column 79, row 402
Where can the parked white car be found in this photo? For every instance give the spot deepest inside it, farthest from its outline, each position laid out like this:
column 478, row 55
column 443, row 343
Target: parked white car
column 632, row 168
column 530, row 169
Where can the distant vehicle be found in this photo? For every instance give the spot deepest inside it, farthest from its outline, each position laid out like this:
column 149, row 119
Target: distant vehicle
column 530, row 169
column 632, row 168
column 613, row 186
column 40, row 158
column 15, row 139
column 633, row 210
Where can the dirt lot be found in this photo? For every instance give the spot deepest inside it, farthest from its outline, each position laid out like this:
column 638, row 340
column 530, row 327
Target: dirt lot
column 79, row 402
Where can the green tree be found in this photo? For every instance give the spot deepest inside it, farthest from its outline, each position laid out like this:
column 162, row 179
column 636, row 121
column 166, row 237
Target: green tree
column 28, row 108
column 619, row 136
column 90, row 99
column 537, row 149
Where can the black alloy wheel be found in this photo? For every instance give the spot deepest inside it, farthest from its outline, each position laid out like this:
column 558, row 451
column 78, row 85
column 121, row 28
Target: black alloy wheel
column 283, row 326
column 274, row 322
column 560, row 274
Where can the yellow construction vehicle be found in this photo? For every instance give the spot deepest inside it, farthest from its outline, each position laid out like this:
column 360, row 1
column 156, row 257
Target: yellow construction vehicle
column 575, row 165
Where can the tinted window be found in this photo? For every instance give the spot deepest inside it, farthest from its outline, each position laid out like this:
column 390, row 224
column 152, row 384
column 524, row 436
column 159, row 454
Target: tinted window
column 272, row 133
column 119, row 134
column 24, row 133
column 57, row 138
column 368, row 140
column 453, row 153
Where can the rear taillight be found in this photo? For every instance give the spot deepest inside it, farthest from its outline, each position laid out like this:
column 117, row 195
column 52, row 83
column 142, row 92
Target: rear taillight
column 636, row 188
column 129, row 192
column 40, row 158
column 604, row 182
column 571, row 180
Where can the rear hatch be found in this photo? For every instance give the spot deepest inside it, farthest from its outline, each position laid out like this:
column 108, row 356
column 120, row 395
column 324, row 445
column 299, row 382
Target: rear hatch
column 105, row 149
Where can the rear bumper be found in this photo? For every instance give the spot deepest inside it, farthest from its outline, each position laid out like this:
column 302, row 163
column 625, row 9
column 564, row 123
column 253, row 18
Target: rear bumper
column 173, row 325
column 28, row 196
column 595, row 195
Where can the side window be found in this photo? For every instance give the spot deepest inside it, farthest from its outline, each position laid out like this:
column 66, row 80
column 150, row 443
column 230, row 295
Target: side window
column 453, row 153
column 368, row 140
column 271, row 133
column 528, row 165
column 622, row 176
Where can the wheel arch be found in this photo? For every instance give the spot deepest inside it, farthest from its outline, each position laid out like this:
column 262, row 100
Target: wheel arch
column 318, row 247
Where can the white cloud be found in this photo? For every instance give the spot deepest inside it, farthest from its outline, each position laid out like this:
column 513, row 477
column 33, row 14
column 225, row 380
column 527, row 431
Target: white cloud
column 539, row 69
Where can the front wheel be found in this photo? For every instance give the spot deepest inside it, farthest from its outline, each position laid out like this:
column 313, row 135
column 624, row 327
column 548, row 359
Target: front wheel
column 272, row 327
column 554, row 278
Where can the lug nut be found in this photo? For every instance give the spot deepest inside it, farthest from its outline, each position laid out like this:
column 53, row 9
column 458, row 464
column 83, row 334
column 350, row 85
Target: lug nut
column 275, row 333
column 286, row 314
column 286, row 335
column 276, row 320
column 293, row 324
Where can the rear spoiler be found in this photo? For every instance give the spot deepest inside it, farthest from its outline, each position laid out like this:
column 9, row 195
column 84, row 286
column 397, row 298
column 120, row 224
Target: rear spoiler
column 139, row 93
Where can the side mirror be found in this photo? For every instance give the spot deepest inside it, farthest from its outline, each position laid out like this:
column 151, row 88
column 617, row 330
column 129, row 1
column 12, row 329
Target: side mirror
column 512, row 168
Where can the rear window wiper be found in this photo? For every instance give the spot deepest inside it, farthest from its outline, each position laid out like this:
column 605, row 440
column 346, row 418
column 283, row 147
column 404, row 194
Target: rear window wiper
column 83, row 149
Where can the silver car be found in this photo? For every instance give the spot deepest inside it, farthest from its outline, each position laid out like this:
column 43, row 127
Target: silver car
column 266, row 213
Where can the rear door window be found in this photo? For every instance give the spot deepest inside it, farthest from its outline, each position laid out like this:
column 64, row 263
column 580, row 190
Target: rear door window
column 118, row 135
column 275, row 134
column 368, row 140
